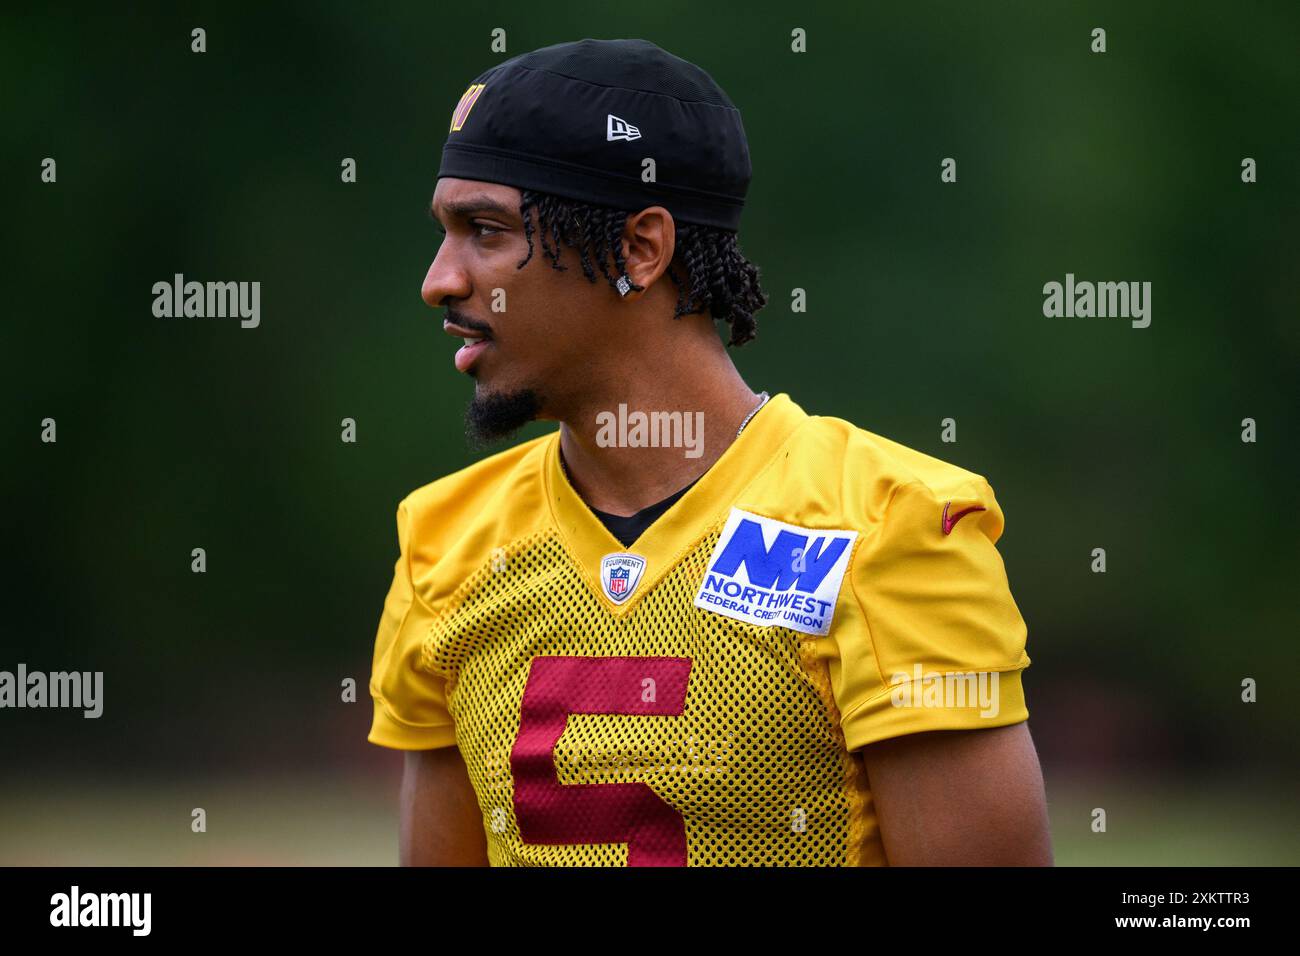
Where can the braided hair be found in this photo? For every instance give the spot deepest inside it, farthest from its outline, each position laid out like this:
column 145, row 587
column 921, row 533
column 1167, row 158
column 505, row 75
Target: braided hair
column 721, row 279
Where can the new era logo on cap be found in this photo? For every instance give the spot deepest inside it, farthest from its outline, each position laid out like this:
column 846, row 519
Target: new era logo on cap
column 616, row 128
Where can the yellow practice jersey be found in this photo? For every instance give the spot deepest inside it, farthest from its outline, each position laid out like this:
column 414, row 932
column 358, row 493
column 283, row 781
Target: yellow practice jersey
column 697, row 697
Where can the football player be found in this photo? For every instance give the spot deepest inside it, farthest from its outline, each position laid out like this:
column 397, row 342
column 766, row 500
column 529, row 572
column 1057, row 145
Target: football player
column 694, row 625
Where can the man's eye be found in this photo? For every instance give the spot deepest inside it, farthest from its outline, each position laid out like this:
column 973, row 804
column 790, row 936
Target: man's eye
column 476, row 226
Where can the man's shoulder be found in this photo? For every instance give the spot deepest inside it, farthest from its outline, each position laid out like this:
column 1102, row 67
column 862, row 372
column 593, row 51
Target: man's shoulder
column 502, row 490
column 868, row 467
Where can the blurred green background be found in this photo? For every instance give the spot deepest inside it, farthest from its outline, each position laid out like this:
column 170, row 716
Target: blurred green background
column 925, row 302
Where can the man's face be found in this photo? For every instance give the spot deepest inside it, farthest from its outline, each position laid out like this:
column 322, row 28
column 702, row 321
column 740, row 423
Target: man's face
column 529, row 331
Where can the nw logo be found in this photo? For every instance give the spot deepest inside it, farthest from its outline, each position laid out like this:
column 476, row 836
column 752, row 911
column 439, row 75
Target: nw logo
column 767, row 572
column 776, row 567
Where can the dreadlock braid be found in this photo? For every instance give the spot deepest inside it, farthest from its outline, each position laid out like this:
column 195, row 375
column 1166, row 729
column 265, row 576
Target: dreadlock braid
column 718, row 278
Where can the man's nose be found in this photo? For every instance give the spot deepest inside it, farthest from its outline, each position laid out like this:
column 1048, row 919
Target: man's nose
column 444, row 279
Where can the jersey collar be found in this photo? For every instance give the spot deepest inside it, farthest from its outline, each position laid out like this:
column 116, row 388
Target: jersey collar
column 682, row 526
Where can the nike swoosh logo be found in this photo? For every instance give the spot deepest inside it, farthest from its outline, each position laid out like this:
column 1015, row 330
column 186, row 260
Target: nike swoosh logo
column 948, row 523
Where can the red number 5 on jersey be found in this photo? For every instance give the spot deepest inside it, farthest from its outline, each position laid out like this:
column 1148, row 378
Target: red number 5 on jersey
column 632, row 813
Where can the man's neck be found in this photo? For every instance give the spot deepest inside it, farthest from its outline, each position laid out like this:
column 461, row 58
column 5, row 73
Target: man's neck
column 609, row 452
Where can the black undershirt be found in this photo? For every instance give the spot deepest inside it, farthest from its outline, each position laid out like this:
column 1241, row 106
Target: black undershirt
column 628, row 528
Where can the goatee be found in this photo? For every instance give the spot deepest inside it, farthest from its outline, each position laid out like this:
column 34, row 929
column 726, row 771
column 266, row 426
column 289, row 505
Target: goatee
column 492, row 416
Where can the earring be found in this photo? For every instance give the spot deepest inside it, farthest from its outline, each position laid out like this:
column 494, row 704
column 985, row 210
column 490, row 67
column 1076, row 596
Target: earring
column 624, row 285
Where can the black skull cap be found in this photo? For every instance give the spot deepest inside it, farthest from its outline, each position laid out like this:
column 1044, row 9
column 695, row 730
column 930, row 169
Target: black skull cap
column 581, row 120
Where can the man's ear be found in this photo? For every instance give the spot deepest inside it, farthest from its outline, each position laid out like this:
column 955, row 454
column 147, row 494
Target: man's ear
column 649, row 242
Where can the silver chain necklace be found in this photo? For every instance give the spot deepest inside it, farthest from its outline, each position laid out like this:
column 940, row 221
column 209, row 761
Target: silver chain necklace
column 762, row 400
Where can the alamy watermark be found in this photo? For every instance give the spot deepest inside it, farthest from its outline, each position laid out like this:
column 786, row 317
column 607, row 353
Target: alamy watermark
column 624, row 429
column 208, row 300
column 130, row 910
column 76, row 689
column 1124, row 300
column 946, row 689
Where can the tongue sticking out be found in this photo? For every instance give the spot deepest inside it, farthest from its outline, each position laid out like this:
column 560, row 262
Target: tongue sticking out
column 468, row 354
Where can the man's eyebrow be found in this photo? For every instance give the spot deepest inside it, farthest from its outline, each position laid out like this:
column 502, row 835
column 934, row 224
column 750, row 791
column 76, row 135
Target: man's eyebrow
column 464, row 208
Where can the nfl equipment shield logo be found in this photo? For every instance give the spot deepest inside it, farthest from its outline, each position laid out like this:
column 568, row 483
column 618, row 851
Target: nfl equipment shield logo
column 620, row 574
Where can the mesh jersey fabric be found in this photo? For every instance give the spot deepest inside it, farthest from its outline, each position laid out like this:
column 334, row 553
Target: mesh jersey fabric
column 656, row 731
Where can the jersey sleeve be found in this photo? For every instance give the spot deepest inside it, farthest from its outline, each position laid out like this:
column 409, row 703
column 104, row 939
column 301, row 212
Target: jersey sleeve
column 938, row 643
column 410, row 701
